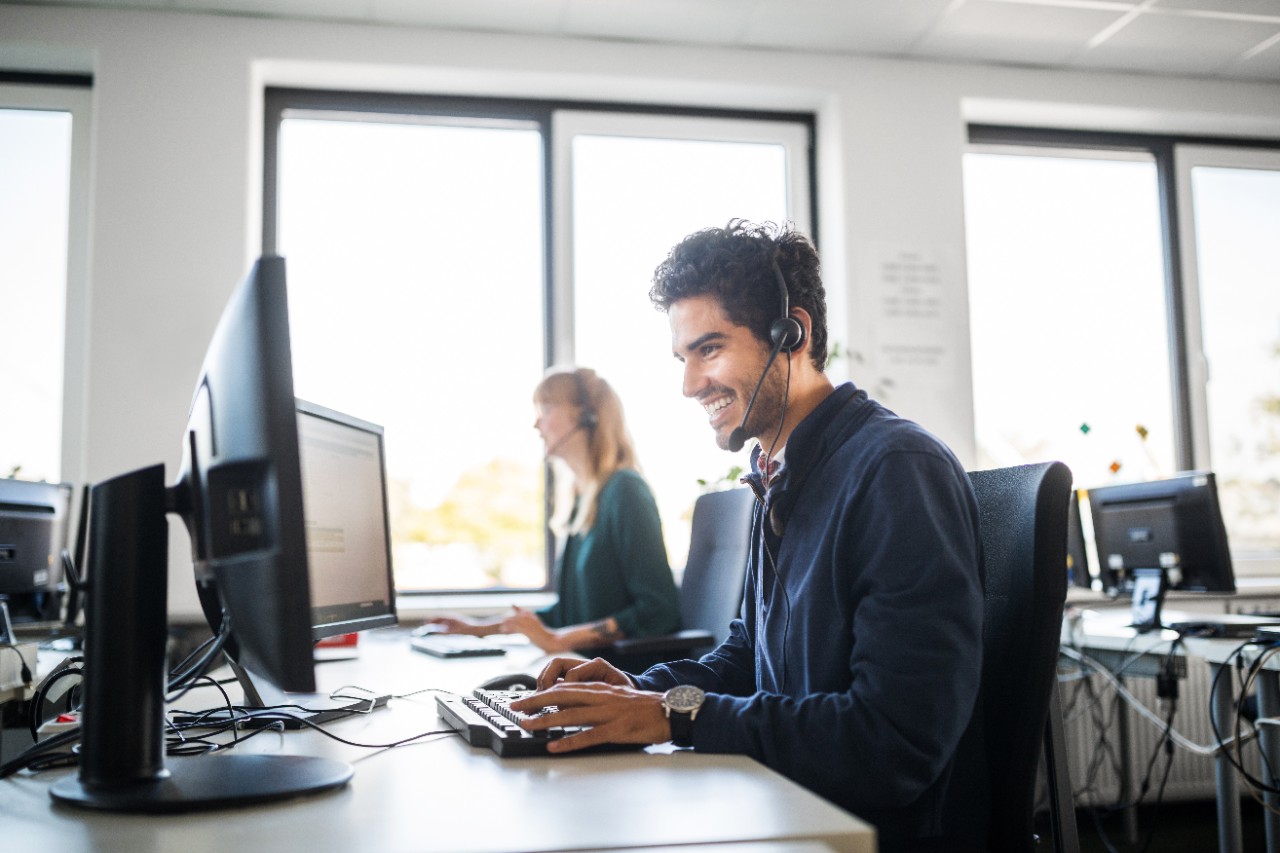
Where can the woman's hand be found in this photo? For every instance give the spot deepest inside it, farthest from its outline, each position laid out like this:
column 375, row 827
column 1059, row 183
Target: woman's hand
column 459, row 625
column 526, row 622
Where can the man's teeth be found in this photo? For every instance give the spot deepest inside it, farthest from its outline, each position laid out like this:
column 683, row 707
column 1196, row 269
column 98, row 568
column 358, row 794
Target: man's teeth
column 712, row 408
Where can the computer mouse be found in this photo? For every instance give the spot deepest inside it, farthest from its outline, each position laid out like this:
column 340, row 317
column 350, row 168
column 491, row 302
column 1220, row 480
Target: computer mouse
column 510, row 681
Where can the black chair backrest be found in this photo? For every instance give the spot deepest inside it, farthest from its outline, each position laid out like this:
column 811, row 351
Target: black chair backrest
column 1024, row 539
column 711, row 590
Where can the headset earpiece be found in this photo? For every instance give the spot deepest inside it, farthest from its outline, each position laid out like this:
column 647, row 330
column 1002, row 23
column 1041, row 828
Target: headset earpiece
column 587, row 418
column 786, row 333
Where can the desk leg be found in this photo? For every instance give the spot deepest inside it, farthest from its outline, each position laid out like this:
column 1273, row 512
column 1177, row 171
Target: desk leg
column 1129, row 818
column 1269, row 738
column 1222, row 708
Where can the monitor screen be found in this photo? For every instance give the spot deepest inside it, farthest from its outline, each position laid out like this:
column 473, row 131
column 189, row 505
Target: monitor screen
column 33, row 534
column 1173, row 524
column 344, row 498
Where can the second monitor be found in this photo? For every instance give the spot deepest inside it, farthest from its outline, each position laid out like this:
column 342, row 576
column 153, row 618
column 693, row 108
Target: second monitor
column 1174, row 525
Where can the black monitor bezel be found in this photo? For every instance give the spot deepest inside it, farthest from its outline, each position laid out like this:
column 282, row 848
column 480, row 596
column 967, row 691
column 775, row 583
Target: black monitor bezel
column 1191, row 499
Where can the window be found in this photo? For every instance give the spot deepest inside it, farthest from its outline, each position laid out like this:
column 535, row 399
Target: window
column 442, row 253
column 1131, row 276
column 1233, row 264
column 43, row 168
column 640, row 185
column 1068, row 311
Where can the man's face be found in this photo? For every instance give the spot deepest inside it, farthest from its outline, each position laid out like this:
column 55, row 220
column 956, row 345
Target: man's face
column 722, row 363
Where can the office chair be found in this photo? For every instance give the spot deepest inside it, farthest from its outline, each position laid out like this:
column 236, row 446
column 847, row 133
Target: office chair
column 1024, row 539
column 711, row 590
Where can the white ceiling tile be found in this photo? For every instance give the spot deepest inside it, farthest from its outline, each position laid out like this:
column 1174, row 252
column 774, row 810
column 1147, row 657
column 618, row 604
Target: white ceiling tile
column 516, row 16
column 865, row 26
column 1177, row 44
column 124, row 4
column 1261, row 63
column 352, row 10
column 1033, row 33
column 698, row 21
column 1269, row 8
column 1215, row 38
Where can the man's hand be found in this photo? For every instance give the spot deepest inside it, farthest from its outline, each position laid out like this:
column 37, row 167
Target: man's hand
column 578, row 670
column 615, row 713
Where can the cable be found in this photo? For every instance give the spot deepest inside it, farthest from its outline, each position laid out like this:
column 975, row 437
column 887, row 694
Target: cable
column 1237, row 758
column 764, row 537
column 34, row 717
column 25, row 758
column 25, row 671
column 1137, row 704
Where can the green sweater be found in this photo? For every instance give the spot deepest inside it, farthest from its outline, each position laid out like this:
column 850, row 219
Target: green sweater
column 618, row 567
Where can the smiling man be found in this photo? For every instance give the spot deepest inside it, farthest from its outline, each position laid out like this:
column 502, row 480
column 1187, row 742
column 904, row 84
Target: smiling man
column 854, row 668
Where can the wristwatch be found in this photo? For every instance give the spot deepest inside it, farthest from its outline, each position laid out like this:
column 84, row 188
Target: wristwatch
column 681, row 705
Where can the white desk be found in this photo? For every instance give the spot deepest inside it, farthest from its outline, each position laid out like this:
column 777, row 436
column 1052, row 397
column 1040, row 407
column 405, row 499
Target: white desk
column 442, row 795
column 1106, row 637
column 1220, row 654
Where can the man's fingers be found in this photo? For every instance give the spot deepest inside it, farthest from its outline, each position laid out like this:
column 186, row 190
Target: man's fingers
column 582, row 740
column 555, row 671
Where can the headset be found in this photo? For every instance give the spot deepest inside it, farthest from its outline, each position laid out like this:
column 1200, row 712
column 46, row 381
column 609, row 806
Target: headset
column 588, row 419
column 786, row 333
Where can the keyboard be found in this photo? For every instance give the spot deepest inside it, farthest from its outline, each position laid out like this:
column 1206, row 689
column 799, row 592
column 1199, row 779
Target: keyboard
column 455, row 646
column 486, row 719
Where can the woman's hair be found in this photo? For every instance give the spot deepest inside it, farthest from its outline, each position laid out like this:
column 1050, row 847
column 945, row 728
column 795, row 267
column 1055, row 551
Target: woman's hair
column 609, row 445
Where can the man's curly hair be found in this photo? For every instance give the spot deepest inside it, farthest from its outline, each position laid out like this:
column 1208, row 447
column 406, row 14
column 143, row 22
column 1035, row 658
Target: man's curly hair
column 735, row 265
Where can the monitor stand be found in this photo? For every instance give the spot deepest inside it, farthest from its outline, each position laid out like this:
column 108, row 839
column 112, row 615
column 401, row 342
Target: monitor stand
column 122, row 756
column 1148, row 597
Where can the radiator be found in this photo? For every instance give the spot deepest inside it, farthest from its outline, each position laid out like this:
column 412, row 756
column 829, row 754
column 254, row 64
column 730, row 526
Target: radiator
column 1093, row 748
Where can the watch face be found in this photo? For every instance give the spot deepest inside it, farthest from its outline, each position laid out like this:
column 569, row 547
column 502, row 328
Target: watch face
column 684, row 699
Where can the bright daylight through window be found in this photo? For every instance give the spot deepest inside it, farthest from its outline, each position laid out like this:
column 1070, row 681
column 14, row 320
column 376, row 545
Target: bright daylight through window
column 35, row 171
column 414, row 257
column 416, row 249
column 1068, row 314
column 1238, row 265
column 659, row 190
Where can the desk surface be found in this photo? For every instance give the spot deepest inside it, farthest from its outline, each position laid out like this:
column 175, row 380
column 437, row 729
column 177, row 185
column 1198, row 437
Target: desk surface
column 442, row 795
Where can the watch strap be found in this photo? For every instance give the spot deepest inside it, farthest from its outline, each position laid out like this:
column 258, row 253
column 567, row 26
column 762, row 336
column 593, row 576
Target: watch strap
column 681, row 727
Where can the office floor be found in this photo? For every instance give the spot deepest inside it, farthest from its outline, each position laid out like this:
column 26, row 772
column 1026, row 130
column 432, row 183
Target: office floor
column 1184, row 827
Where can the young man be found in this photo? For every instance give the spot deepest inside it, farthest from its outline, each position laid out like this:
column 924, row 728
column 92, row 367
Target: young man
column 855, row 666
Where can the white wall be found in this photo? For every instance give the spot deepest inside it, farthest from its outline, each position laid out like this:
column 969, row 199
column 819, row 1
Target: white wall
column 176, row 181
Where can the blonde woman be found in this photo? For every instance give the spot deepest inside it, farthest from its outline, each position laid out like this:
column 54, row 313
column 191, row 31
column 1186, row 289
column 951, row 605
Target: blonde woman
column 612, row 573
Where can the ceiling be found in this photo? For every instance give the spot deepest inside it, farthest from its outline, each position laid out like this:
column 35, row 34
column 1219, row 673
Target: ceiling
column 1226, row 39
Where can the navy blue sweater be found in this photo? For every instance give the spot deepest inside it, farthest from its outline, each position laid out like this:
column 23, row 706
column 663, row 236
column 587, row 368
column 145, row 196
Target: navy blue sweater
column 855, row 667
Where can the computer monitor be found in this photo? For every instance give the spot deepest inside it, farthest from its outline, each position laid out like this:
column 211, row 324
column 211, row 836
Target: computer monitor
column 33, row 534
column 1174, row 525
column 240, row 494
column 344, row 498
column 1078, row 573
